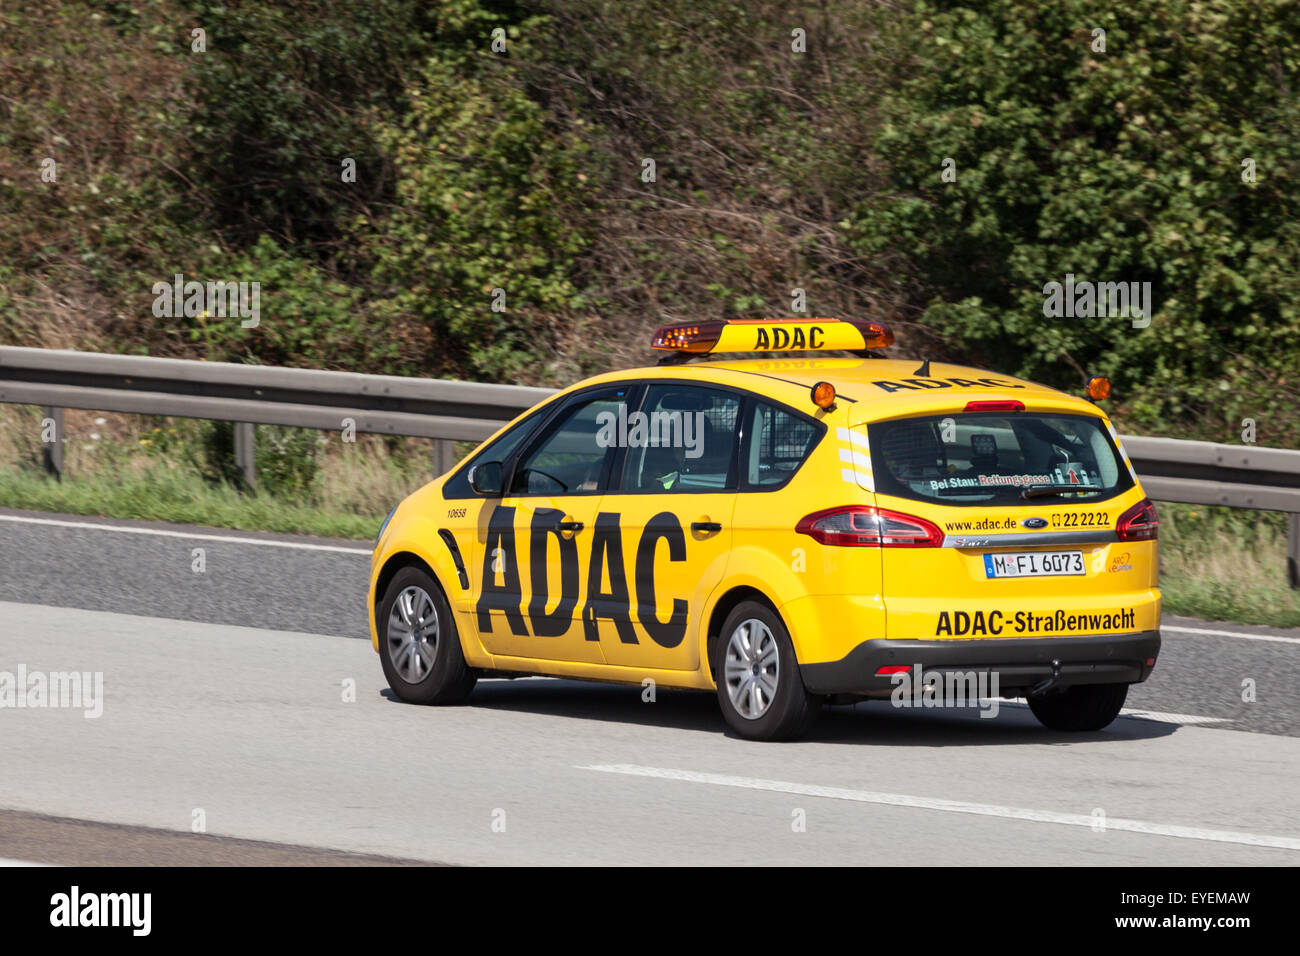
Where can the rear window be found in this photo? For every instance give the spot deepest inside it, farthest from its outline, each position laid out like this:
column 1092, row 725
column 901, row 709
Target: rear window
column 988, row 458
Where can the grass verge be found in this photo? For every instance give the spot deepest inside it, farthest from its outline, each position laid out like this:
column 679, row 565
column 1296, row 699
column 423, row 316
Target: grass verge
column 172, row 495
column 1226, row 564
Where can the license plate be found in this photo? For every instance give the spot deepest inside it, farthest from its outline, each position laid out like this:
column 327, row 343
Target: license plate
column 1033, row 564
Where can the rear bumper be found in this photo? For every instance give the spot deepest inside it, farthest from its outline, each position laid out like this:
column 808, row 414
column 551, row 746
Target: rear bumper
column 1020, row 663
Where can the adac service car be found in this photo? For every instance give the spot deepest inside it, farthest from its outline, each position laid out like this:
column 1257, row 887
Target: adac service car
column 783, row 531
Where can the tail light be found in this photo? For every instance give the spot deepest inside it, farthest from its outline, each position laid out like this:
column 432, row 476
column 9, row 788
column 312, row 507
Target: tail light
column 865, row 527
column 1139, row 523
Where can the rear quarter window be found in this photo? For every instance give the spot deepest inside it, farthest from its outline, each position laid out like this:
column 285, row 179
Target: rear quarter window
column 778, row 442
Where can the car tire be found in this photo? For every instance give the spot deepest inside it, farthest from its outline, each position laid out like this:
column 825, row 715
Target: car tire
column 760, row 689
column 419, row 646
column 1079, row 708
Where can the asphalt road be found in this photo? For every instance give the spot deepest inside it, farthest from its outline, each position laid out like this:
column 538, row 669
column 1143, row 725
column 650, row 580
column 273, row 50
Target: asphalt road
column 240, row 698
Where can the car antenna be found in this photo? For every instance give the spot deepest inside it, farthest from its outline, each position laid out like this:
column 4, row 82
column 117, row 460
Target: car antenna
column 924, row 370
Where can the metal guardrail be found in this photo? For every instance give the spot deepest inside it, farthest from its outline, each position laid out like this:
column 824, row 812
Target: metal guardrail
column 1205, row 473
column 1240, row 476
column 264, row 395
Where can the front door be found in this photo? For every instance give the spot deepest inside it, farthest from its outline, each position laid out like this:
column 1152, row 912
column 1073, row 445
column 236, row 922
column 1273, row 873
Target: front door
column 538, row 540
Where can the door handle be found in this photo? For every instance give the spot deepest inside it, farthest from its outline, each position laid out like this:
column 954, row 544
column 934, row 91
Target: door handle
column 570, row 526
column 706, row 527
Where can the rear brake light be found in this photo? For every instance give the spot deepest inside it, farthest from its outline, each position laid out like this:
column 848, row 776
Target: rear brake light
column 893, row 669
column 1139, row 523
column 865, row 527
column 1011, row 405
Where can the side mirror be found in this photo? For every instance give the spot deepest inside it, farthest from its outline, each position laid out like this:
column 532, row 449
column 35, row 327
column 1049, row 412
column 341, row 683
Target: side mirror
column 485, row 479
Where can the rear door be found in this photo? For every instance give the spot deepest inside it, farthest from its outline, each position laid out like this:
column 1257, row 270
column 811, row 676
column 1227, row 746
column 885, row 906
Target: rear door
column 1028, row 503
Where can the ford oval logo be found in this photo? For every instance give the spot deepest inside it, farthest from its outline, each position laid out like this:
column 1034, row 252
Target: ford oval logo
column 1035, row 523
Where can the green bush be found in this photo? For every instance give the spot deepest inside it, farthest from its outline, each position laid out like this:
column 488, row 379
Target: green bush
column 1125, row 165
column 490, row 196
column 287, row 459
column 520, row 170
column 305, row 311
column 281, row 98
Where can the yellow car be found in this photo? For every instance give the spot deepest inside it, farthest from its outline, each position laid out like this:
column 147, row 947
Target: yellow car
column 784, row 531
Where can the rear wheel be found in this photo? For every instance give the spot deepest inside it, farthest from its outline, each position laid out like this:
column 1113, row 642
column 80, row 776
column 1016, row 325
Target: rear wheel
column 760, row 689
column 1083, row 707
column 419, row 646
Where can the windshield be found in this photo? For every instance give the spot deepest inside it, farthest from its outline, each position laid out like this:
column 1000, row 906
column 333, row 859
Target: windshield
column 993, row 458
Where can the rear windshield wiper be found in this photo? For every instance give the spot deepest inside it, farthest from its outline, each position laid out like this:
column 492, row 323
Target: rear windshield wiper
column 1040, row 491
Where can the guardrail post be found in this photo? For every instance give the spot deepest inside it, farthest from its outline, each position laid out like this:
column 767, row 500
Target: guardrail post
column 444, row 454
column 1293, row 549
column 246, row 452
column 52, row 440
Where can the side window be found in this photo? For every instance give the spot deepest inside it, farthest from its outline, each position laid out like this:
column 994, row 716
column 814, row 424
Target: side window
column 570, row 457
column 683, row 439
column 499, row 450
column 779, row 442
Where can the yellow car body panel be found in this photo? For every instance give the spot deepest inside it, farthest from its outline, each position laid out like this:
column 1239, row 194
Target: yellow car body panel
column 675, row 572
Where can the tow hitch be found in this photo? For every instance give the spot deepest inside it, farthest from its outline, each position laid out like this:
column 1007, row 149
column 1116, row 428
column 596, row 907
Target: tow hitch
column 1047, row 683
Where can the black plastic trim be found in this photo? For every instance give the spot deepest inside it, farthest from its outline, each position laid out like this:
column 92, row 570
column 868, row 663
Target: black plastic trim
column 1019, row 662
column 450, row 541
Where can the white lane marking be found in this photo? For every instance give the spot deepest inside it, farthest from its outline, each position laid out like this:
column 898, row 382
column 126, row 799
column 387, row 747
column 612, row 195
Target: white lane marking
column 1163, row 718
column 953, row 806
column 1278, row 638
column 1157, row 715
column 228, row 539
column 4, row 862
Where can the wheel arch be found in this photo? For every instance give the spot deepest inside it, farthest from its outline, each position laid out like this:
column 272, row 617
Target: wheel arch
column 394, row 563
column 732, row 598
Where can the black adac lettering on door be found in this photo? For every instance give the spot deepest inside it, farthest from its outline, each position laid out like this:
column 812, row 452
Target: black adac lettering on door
column 507, row 596
column 667, row 633
column 546, row 522
column 614, row 604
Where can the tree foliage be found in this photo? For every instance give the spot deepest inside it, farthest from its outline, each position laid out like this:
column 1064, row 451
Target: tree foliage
column 796, row 146
column 1122, row 165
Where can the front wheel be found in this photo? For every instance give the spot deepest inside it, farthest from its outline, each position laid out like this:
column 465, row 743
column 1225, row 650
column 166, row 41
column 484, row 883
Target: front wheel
column 760, row 689
column 418, row 643
column 1082, row 707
